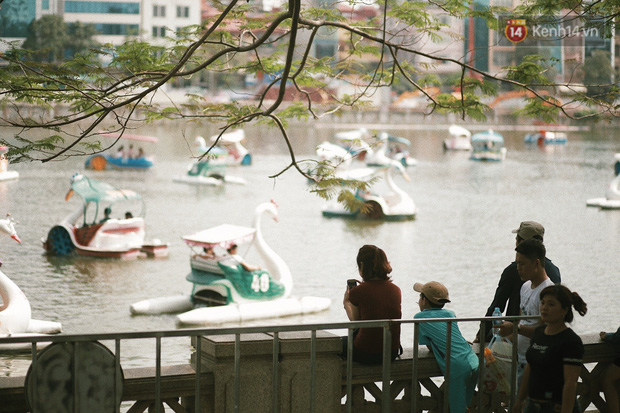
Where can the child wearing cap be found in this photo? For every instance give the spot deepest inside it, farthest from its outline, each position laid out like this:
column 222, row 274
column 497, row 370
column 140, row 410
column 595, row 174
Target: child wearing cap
column 463, row 360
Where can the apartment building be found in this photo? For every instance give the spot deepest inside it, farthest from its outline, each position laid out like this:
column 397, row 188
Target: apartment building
column 114, row 20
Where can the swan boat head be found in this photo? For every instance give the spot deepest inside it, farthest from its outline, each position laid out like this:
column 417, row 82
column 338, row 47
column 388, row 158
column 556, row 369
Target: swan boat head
column 273, row 262
column 15, row 310
column 8, row 227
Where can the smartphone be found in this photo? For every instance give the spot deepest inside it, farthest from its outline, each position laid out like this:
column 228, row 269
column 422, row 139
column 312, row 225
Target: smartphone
column 351, row 283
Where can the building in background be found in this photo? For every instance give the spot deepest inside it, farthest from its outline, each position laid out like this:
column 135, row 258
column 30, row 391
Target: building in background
column 115, row 21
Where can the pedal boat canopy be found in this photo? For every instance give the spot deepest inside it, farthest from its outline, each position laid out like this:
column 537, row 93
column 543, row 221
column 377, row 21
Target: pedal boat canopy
column 224, row 235
column 93, row 191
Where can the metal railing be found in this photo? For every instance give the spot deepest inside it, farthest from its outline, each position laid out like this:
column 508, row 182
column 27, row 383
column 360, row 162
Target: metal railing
column 275, row 330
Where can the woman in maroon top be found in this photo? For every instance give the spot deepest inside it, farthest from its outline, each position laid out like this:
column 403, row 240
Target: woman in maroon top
column 375, row 298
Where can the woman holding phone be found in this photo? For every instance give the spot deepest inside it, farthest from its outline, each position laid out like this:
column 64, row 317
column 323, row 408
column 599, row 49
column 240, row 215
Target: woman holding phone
column 375, row 298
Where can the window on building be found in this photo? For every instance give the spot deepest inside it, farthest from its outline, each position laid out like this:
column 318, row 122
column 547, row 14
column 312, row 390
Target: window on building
column 325, row 50
column 117, row 29
column 159, row 31
column 182, row 11
column 101, row 7
column 45, row 4
column 159, row 11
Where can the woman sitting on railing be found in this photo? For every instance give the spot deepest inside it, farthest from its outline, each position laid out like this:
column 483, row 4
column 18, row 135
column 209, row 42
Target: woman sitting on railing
column 554, row 358
column 376, row 298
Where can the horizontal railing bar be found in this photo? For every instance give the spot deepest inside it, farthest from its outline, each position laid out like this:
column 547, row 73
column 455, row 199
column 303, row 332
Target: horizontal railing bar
column 237, row 330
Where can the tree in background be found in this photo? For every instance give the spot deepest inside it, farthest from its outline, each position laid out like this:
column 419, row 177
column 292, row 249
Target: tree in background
column 375, row 51
column 52, row 40
column 80, row 38
column 599, row 74
column 47, row 38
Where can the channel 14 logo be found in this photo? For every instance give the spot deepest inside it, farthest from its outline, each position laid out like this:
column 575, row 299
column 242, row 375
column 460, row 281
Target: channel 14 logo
column 516, row 30
column 548, row 30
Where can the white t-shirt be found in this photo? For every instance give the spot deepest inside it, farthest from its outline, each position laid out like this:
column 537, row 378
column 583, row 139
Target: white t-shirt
column 530, row 305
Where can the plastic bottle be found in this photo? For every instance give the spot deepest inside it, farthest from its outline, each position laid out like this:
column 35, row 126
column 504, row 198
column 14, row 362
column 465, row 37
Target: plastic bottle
column 496, row 313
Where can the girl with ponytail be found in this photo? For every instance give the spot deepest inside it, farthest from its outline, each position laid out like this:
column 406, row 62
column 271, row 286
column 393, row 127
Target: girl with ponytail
column 554, row 358
column 375, row 298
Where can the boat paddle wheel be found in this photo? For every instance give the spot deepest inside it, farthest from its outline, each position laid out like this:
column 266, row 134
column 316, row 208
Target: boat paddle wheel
column 372, row 210
column 59, row 241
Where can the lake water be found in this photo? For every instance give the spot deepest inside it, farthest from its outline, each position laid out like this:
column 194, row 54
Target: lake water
column 461, row 237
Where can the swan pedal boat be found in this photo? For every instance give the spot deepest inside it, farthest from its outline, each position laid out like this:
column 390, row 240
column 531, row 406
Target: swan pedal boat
column 223, row 291
column 122, row 237
column 546, row 137
column 210, row 171
column 121, row 161
column 487, row 146
column 231, row 143
column 15, row 311
column 5, row 173
column 353, row 145
column 459, row 140
column 612, row 195
column 390, row 148
column 396, row 205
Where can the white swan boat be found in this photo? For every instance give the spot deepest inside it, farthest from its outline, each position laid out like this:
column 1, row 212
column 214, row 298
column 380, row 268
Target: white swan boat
column 5, row 173
column 231, row 143
column 390, row 148
column 112, row 224
column 395, row 205
column 224, row 291
column 353, row 145
column 545, row 137
column 15, row 312
column 487, row 146
column 459, row 140
column 612, row 195
column 210, row 170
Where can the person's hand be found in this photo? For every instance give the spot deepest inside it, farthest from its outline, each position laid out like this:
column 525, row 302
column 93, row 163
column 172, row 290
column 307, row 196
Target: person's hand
column 345, row 299
column 602, row 335
column 505, row 329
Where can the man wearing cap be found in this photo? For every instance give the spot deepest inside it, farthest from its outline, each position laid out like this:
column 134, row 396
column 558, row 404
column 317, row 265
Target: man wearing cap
column 530, row 256
column 463, row 360
column 510, row 283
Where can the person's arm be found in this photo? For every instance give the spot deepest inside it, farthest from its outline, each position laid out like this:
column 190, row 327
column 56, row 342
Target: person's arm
column 353, row 312
column 528, row 330
column 569, row 391
column 613, row 338
column 249, row 268
column 523, row 390
column 502, row 293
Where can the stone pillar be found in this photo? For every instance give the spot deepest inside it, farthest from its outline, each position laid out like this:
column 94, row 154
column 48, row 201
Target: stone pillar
column 295, row 372
column 256, row 372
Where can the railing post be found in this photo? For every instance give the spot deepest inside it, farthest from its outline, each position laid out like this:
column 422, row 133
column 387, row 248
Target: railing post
column 387, row 364
column 482, row 364
column 415, row 387
column 446, row 390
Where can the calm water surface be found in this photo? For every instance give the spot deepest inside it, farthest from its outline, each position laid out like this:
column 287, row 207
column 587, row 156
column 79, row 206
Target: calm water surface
column 461, row 237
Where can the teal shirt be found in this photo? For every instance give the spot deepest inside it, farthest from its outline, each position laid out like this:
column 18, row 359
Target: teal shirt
column 463, row 360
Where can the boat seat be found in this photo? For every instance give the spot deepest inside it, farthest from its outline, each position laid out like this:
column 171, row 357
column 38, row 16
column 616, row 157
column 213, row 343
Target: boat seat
column 85, row 234
column 206, row 264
